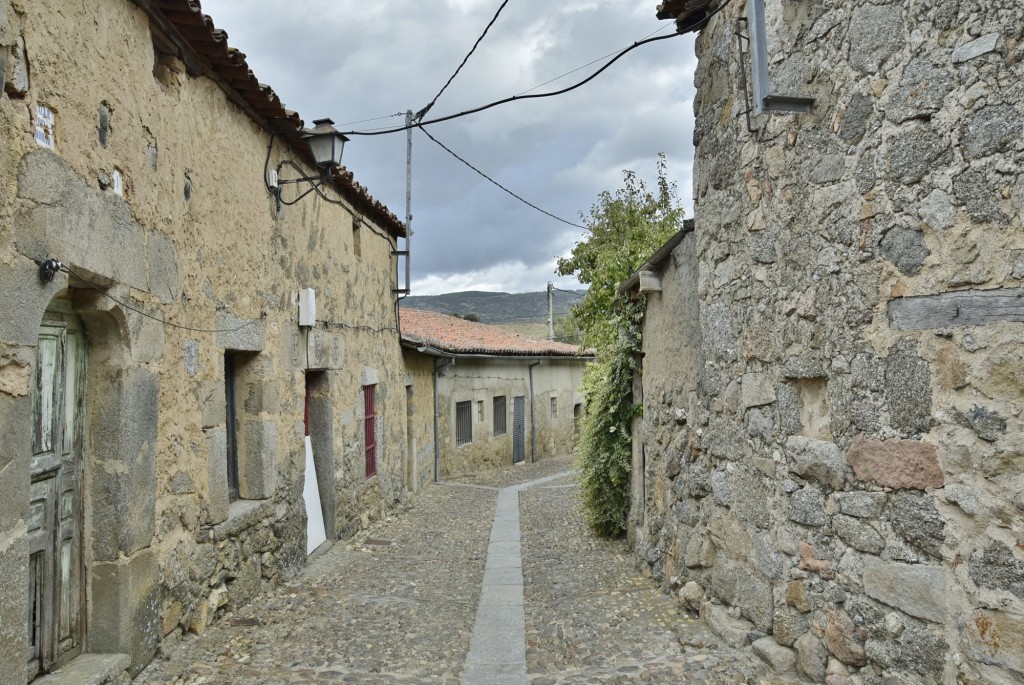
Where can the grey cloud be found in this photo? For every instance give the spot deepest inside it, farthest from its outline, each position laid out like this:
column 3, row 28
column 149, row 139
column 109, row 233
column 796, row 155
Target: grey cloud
column 350, row 60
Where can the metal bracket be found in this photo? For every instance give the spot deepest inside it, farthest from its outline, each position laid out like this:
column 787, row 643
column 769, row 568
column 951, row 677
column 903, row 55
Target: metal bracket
column 48, row 268
column 740, row 37
column 760, row 99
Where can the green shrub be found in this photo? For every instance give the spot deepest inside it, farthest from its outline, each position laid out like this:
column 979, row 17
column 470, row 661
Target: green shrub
column 605, row 450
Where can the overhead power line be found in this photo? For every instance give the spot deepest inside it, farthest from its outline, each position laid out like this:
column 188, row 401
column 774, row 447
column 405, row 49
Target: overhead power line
column 363, row 121
column 584, row 66
column 420, row 114
column 521, row 199
column 514, row 98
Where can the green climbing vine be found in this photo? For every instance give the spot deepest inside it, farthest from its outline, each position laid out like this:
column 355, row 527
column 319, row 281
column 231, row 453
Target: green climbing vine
column 623, row 229
column 605, row 455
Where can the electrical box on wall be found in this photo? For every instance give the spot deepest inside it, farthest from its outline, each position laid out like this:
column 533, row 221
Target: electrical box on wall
column 307, row 307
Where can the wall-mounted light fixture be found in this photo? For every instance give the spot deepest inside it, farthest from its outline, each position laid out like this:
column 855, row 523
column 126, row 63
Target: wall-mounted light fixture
column 327, row 144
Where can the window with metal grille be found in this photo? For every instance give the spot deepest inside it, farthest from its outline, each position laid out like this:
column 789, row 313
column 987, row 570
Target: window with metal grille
column 463, row 423
column 500, row 416
column 370, row 428
column 554, row 407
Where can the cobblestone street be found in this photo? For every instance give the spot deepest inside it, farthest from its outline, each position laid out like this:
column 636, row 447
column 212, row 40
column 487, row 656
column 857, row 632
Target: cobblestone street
column 400, row 604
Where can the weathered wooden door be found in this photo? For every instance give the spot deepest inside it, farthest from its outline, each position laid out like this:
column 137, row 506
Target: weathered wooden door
column 518, row 429
column 55, row 506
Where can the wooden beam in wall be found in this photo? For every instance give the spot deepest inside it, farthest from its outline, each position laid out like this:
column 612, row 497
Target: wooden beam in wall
column 958, row 308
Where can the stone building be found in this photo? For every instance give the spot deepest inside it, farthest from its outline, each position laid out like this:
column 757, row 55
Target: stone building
column 484, row 397
column 829, row 462
column 153, row 391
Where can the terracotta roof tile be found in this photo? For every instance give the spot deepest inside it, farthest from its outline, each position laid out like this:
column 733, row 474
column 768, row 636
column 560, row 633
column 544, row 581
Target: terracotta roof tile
column 458, row 336
column 211, row 45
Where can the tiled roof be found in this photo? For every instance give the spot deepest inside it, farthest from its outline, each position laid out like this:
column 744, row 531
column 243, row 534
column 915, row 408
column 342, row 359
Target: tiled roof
column 689, row 14
column 451, row 334
column 211, row 45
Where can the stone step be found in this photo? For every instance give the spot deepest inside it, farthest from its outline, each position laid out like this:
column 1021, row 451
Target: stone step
column 90, row 669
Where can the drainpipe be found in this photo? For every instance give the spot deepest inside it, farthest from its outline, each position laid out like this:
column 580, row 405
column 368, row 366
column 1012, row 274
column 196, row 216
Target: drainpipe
column 439, row 365
column 533, row 419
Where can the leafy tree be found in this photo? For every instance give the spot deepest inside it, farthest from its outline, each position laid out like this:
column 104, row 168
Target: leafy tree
column 623, row 230
column 566, row 330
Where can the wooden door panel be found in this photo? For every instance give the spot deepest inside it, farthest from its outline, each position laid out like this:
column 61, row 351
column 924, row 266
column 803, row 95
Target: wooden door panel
column 47, row 401
column 55, row 588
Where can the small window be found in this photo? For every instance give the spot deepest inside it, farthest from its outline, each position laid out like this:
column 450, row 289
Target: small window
column 232, row 425
column 480, row 411
column 500, row 416
column 46, row 127
column 463, row 423
column 554, row 407
column 370, row 428
column 357, row 243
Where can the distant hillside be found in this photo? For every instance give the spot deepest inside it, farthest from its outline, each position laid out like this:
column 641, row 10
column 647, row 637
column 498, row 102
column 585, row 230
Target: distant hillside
column 497, row 308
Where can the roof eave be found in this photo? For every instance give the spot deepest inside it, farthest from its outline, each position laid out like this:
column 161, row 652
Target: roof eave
column 658, row 258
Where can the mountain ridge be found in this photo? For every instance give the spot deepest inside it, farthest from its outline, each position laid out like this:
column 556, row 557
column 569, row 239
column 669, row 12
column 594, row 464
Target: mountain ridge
column 497, row 307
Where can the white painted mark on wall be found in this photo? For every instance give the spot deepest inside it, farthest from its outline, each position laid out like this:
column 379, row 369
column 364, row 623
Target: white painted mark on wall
column 46, row 127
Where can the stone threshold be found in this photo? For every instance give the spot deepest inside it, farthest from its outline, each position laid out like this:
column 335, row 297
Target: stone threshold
column 90, row 669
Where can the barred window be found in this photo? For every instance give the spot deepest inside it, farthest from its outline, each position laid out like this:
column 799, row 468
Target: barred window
column 554, row 407
column 463, row 423
column 500, row 416
column 370, row 428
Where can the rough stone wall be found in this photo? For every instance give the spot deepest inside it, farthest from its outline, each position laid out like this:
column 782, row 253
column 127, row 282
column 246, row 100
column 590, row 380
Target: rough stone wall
column 844, row 485
column 194, row 239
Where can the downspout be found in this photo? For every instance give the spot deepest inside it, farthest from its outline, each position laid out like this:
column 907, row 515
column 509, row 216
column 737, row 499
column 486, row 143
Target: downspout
column 533, row 418
column 439, row 365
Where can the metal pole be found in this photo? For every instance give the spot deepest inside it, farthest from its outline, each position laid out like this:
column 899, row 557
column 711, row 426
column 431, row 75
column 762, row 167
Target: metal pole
column 408, row 203
column 551, row 311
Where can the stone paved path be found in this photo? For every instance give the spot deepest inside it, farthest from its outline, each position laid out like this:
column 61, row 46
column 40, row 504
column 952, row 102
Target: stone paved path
column 433, row 595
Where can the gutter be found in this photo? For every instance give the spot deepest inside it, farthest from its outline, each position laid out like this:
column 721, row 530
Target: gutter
column 436, row 352
column 657, row 258
column 533, row 418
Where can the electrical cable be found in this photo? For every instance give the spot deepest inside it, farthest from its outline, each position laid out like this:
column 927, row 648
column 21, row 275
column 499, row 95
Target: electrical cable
column 521, row 199
column 515, row 98
column 337, row 324
column 363, row 121
column 680, row 31
column 422, row 112
column 165, row 322
column 584, row 66
column 359, row 327
column 315, row 187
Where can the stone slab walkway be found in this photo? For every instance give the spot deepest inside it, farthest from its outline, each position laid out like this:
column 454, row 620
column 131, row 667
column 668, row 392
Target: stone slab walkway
column 498, row 582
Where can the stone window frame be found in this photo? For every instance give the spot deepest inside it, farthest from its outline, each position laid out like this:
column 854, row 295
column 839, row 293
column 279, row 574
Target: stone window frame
column 254, row 436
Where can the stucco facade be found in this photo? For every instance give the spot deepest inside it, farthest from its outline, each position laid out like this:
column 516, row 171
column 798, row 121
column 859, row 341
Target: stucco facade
column 518, row 399
column 835, row 465
column 147, row 182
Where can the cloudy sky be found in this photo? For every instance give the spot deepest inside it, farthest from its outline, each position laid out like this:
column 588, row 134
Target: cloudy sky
column 353, row 60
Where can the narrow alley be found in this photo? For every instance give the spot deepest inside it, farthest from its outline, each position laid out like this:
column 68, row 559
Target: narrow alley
column 443, row 593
